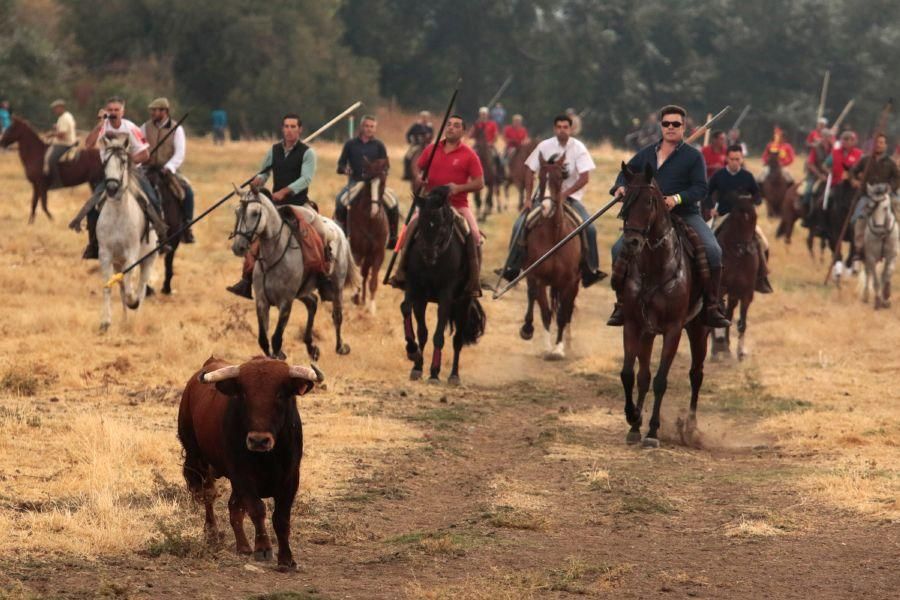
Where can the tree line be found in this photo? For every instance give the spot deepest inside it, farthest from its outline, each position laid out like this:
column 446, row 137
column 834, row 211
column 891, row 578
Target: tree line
column 616, row 58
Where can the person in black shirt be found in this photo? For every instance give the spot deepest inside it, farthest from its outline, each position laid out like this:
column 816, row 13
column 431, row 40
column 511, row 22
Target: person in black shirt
column 352, row 162
column 723, row 185
column 418, row 136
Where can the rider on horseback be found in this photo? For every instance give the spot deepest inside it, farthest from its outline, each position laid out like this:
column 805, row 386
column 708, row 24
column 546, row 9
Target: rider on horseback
column 579, row 165
column 63, row 137
column 111, row 123
column 514, row 135
column 419, row 134
column 169, row 157
column 883, row 170
column 456, row 166
column 356, row 154
column 680, row 174
column 488, row 128
column 293, row 165
column 735, row 178
column 783, row 150
column 816, row 167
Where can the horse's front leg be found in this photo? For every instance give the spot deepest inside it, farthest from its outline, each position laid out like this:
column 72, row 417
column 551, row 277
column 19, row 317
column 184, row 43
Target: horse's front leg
column 630, row 343
column 106, row 271
column 170, row 271
column 44, row 202
column 742, row 325
column 419, row 307
column 312, row 305
column 886, row 276
column 412, row 348
column 284, row 313
column 540, row 292
column 527, row 330
column 262, row 320
column 337, row 317
column 35, row 194
column 564, row 318
column 671, row 339
column 445, row 303
column 644, row 352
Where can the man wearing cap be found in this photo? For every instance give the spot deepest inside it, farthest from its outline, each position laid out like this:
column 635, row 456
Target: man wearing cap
column 170, row 155
column 111, row 122
column 418, row 136
column 62, row 137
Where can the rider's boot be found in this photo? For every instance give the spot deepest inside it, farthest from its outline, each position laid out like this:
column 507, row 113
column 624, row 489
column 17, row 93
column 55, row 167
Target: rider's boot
column 244, row 287
column 398, row 279
column 393, row 215
column 473, row 286
column 762, row 273
column 713, row 316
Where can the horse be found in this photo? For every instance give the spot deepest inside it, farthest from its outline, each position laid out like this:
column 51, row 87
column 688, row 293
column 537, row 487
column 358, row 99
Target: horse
column 560, row 272
column 86, row 167
column 492, row 178
column 882, row 241
column 740, row 259
column 437, row 271
column 173, row 215
column 516, row 170
column 367, row 228
column 774, row 186
column 661, row 294
column 834, row 216
column 123, row 230
column 791, row 211
column 279, row 275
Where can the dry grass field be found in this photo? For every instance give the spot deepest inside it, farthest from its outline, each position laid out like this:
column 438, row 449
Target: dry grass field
column 516, row 485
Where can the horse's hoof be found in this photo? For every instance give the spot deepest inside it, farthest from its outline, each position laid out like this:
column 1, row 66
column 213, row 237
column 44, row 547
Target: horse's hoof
column 555, row 355
column 281, row 355
column 313, row 352
column 453, row 380
column 526, row 332
column 650, row 443
column 343, row 349
column 150, row 292
column 166, row 290
column 633, row 437
column 434, row 381
column 356, row 299
column 415, row 375
column 104, row 327
column 264, row 555
column 287, row 567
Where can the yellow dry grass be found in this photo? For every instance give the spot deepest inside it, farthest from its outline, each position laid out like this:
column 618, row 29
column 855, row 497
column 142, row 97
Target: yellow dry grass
column 88, row 453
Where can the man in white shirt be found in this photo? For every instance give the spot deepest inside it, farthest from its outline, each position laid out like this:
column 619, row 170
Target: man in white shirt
column 110, row 123
column 170, row 155
column 579, row 165
column 62, row 137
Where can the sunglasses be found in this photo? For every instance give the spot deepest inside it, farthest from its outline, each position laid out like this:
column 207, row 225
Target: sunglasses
column 672, row 124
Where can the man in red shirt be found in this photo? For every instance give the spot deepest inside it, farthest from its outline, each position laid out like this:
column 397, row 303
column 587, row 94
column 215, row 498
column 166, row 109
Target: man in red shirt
column 843, row 158
column 515, row 136
column 816, row 134
column 785, row 152
column 485, row 124
column 457, row 167
column 715, row 154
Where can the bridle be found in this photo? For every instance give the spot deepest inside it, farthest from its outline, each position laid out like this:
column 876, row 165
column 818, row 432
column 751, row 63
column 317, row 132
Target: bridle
column 442, row 239
column 655, row 199
column 118, row 152
column 245, row 201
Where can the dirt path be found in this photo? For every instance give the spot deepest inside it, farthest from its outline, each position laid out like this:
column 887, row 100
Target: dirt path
column 527, row 491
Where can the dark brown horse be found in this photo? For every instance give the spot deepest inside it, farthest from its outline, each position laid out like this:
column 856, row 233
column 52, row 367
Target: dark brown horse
column 740, row 261
column 560, row 272
column 791, row 212
column 492, row 177
column 86, row 167
column 661, row 294
column 173, row 213
column 367, row 227
column 515, row 170
column 774, row 186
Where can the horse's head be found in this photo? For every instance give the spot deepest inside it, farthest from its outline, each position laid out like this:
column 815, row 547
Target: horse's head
column 250, row 220
column 435, row 224
column 642, row 207
column 116, row 163
column 773, row 159
column 12, row 133
column 742, row 206
column 553, row 171
column 373, row 169
column 878, row 191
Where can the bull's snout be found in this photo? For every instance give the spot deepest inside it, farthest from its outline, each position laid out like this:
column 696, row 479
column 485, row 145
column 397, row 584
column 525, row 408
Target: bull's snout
column 260, row 442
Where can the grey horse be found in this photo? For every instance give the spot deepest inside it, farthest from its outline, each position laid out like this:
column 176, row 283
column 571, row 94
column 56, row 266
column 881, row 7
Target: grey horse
column 882, row 239
column 279, row 277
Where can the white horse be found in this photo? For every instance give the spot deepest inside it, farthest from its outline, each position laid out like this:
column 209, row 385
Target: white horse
column 123, row 233
column 279, row 276
column 882, row 240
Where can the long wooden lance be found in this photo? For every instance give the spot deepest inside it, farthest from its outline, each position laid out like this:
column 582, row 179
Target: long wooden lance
column 706, row 126
column 118, row 277
column 592, row 218
column 842, row 116
column 839, row 241
column 412, row 206
column 500, row 91
column 741, row 117
column 821, row 112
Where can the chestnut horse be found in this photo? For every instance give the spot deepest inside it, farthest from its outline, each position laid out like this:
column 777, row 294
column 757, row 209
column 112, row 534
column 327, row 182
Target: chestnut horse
column 515, row 170
column 86, row 167
column 774, row 186
column 791, row 211
column 367, row 227
column 561, row 271
column 492, row 177
column 740, row 261
column 661, row 294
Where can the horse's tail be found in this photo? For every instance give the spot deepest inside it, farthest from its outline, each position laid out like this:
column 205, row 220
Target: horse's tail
column 354, row 278
column 470, row 320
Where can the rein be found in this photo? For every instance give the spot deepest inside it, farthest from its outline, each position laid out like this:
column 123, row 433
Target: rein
column 255, row 235
column 440, row 245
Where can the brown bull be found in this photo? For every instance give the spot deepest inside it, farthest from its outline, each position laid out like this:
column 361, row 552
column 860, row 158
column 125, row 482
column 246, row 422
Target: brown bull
column 241, row 422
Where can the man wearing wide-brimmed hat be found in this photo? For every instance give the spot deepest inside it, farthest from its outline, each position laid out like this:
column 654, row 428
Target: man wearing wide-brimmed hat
column 169, row 157
column 62, row 137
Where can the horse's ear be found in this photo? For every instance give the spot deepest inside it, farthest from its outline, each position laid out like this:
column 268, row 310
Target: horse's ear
column 541, row 159
column 627, row 172
column 648, row 172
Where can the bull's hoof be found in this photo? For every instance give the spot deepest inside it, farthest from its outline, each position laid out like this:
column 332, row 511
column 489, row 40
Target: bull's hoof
column 343, row 349
column 415, row 375
column 454, row 380
column 650, row 443
column 433, row 380
column 526, row 332
column 633, row 437
column 264, row 555
column 286, row 567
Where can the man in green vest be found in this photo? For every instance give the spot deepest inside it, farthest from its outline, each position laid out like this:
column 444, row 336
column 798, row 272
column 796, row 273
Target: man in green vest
column 293, row 166
column 169, row 157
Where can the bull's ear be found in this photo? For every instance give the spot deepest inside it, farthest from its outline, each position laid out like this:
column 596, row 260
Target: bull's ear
column 228, row 387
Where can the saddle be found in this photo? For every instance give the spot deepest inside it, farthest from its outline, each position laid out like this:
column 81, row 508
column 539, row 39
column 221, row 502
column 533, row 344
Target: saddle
column 533, row 217
column 460, row 226
column 311, row 243
column 390, row 198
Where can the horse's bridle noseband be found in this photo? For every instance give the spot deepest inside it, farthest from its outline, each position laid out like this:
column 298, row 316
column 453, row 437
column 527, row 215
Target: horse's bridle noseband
column 656, row 194
column 121, row 180
column 242, row 215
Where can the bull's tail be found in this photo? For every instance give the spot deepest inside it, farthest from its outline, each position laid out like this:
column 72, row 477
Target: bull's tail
column 194, row 469
column 469, row 320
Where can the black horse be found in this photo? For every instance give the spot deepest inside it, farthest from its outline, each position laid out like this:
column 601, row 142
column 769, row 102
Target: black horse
column 437, row 271
column 173, row 214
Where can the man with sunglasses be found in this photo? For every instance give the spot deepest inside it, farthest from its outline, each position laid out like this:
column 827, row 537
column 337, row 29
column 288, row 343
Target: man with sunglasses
column 680, row 174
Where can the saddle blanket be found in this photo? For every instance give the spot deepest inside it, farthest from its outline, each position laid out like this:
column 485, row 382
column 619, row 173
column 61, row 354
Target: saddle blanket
column 348, row 194
column 570, row 213
column 311, row 243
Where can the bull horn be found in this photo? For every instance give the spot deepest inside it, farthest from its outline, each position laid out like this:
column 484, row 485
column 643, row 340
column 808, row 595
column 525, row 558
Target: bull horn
column 310, row 373
column 229, row 372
